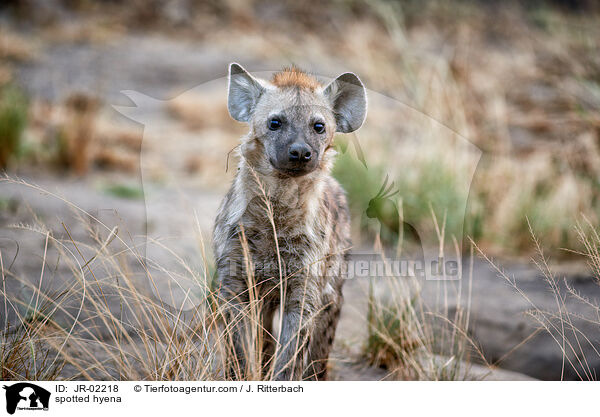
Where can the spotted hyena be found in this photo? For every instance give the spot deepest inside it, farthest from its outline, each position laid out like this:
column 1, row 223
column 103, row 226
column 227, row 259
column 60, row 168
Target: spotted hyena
column 286, row 213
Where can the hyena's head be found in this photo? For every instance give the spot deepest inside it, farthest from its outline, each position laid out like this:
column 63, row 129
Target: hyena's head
column 293, row 118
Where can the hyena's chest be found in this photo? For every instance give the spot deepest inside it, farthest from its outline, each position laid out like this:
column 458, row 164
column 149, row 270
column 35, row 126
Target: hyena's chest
column 284, row 249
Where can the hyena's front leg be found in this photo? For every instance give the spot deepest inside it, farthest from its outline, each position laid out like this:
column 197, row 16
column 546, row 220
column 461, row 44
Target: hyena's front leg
column 297, row 327
column 268, row 341
column 235, row 334
column 322, row 339
column 233, row 300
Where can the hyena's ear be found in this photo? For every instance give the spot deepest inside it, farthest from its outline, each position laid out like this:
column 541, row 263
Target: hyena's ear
column 244, row 92
column 348, row 98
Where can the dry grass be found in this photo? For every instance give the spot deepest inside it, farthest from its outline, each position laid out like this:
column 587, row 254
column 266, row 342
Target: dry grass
column 108, row 325
column 579, row 346
column 416, row 341
column 116, row 316
column 202, row 111
column 14, row 47
column 115, row 320
column 76, row 137
column 24, row 353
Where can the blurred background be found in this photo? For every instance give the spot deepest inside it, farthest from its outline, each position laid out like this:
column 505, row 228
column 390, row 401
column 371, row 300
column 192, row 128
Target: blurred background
column 514, row 86
column 518, row 81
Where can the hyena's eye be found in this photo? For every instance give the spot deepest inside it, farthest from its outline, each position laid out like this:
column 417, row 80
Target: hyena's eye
column 274, row 124
column 319, row 127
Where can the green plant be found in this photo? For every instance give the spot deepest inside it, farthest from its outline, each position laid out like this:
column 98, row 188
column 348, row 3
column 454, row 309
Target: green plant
column 414, row 195
column 125, row 191
column 433, row 188
column 13, row 119
column 360, row 182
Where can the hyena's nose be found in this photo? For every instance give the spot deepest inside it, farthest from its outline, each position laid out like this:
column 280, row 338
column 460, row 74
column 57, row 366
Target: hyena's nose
column 300, row 152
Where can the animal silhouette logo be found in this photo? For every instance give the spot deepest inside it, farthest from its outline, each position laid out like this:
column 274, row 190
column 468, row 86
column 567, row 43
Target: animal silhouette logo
column 26, row 396
column 385, row 210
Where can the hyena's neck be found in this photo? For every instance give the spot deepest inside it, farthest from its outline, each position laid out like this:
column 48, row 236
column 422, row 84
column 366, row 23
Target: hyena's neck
column 294, row 200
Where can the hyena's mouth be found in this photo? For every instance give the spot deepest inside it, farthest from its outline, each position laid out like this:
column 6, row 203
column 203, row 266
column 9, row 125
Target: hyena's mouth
column 293, row 170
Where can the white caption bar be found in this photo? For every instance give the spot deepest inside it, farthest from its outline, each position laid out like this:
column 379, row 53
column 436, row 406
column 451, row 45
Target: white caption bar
column 298, row 398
